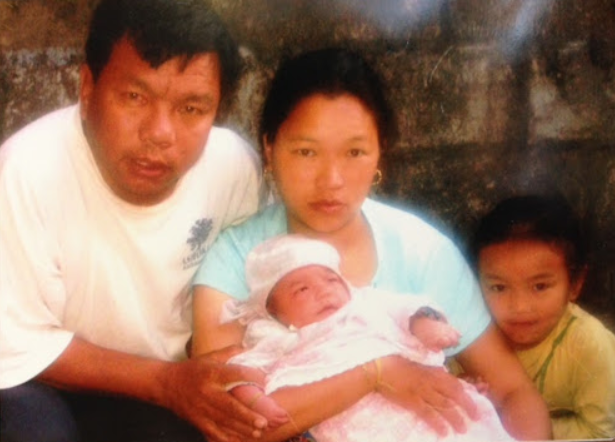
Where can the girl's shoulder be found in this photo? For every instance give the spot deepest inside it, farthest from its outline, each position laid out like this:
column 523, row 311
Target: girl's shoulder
column 587, row 333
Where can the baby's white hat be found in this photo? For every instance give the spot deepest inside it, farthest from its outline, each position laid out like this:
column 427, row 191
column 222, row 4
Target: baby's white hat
column 271, row 260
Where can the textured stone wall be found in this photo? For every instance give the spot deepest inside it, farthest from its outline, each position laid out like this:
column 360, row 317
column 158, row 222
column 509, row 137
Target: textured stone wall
column 493, row 97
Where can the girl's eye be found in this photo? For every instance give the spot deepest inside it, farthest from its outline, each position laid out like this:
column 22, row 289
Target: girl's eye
column 497, row 288
column 541, row 286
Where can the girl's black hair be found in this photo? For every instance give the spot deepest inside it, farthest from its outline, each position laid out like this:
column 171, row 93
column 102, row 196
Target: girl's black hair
column 550, row 219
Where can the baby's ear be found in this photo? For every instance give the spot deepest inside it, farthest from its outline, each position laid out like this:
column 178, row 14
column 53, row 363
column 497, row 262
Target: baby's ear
column 577, row 285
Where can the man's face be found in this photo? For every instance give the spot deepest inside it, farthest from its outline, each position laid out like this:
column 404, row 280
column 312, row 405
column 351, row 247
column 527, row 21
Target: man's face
column 147, row 127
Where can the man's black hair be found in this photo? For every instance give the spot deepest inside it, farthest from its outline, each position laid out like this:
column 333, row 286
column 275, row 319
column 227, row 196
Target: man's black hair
column 161, row 30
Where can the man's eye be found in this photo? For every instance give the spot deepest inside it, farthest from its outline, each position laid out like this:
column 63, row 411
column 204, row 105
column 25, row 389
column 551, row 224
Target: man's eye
column 133, row 96
column 192, row 110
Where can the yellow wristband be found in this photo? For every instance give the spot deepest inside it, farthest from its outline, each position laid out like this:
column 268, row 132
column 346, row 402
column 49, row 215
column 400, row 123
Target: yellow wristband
column 373, row 378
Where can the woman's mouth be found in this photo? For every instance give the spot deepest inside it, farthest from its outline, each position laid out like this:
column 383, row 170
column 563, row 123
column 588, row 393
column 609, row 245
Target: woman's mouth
column 327, row 206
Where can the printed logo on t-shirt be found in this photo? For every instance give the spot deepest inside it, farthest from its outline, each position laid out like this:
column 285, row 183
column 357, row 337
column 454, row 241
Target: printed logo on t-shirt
column 199, row 233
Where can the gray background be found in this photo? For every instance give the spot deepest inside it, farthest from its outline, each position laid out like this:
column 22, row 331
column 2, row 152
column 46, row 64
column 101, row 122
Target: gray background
column 493, row 97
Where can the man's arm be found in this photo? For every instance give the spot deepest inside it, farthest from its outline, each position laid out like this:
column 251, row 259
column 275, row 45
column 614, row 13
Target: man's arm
column 522, row 410
column 193, row 389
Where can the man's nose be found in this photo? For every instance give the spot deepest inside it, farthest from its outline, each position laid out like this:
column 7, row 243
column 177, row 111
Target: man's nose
column 157, row 128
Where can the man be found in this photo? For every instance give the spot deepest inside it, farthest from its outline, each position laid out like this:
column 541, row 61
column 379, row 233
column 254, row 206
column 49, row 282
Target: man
column 107, row 209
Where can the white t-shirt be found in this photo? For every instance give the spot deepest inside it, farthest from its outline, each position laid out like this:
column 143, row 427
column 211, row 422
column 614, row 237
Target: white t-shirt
column 77, row 260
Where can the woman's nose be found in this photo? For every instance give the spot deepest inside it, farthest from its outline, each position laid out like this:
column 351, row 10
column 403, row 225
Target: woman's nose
column 331, row 175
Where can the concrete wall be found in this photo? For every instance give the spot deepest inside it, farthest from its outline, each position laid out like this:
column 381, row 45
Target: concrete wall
column 494, row 97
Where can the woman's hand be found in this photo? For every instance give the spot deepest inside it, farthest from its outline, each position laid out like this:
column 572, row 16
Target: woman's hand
column 435, row 396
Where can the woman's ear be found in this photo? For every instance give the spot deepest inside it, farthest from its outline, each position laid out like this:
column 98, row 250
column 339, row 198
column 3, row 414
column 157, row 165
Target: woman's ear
column 576, row 285
column 268, row 152
column 86, row 88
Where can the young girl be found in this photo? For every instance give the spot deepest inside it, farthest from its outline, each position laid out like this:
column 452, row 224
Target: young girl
column 531, row 261
column 305, row 323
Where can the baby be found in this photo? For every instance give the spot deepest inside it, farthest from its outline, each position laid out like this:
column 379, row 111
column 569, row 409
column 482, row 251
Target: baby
column 305, row 323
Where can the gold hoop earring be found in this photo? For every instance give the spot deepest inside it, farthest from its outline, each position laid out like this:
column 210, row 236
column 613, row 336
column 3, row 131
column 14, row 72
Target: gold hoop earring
column 377, row 178
column 267, row 174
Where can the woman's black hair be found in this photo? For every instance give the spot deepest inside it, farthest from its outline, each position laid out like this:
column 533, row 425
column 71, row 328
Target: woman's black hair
column 550, row 219
column 332, row 72
column 161, row 30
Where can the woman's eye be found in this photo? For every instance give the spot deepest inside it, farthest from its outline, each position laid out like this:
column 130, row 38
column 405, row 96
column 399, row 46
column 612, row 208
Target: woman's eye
column 355, row 152
column 305, row 152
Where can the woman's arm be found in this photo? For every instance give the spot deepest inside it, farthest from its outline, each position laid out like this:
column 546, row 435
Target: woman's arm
column 209, row 335
column 521, row 408
column 430, row 392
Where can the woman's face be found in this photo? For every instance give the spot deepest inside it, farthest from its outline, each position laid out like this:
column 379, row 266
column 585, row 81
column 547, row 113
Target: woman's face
column 324, row 160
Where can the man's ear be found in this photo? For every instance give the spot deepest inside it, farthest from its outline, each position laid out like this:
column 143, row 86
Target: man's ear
column 86, row 88
column 576, row 285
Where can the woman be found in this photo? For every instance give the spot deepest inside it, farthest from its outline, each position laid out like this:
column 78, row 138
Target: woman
column 323, row 127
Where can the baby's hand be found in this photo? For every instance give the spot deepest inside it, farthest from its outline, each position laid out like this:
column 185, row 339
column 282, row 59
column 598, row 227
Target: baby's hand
column 269, row 408
column 254, row 397
column 435, row 334
column 481, row 386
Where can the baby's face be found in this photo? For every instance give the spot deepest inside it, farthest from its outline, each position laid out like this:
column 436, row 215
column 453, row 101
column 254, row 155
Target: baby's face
column 307, row 295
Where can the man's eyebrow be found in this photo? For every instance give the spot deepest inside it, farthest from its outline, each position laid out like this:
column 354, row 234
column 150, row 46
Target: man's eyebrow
column 205, row 98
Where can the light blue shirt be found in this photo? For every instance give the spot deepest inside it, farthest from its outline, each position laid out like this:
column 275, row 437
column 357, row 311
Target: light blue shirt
column 413, row 258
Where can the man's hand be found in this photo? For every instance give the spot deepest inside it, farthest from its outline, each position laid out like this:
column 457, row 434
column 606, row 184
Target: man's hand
column 196, row 390
column 437, row 397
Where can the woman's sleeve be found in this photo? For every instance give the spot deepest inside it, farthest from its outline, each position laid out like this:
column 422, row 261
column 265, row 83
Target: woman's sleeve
column 448, row 279
column 223, row 267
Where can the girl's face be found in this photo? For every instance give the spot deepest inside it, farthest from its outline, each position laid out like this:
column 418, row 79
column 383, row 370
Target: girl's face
column 324, row 160
column 307, row 295
column 527, row 287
